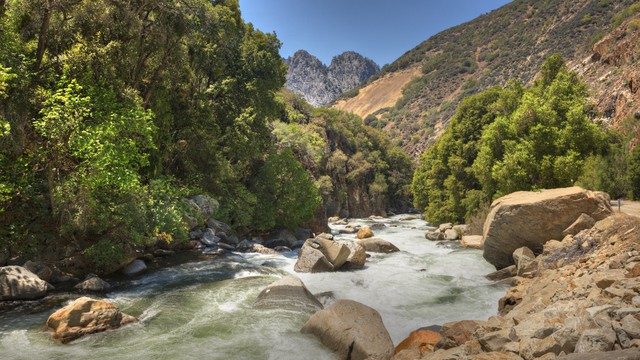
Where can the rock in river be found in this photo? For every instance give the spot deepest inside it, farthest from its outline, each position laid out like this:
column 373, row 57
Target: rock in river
column 288, row 291
column 86, row 316
column 352, row 330
column 378, row 245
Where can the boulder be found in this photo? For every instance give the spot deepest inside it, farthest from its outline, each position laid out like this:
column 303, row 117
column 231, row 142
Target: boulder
column 135, row 267
column 206, row 205
column 219, row 226
column 451, row 235
column 286, row 237
column 247, row 246
column 525, row 261
column 312, row 261
column 18, row 283
column 600, row 339
column 357, row 255
column 497, row 340
column 422, row 340
column 583, row 222
column 535, row 348
column 458, row 332
column 378, row 245
column 509, row 271
column 434, row 235
column 93, row 284
column 351, row 330
column 532, row 218
column 462, row 229
column 444, row 227
column 288, row 291
column 472, row 241
column 631, row 326
column 209, row 238
column 86, row 316
column 377, row 226
column 40, row 270
column 365, row 232
column 334, row 253
column 629, row 354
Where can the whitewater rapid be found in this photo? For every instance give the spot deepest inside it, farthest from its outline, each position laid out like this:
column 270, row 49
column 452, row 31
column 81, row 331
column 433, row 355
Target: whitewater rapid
column 203, row 309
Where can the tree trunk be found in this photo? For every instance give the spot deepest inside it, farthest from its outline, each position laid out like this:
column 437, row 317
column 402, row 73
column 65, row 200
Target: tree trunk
column 42, row 36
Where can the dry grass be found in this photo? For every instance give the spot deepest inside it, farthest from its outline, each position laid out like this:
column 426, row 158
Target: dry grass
column 380, row 94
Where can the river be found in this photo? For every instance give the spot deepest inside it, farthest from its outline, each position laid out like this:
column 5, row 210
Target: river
column 203, row 308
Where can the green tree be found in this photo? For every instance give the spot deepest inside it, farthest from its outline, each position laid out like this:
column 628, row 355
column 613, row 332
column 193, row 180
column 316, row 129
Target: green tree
column 286, row 196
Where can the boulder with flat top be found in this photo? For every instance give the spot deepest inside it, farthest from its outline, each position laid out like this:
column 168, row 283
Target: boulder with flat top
column 531, row 219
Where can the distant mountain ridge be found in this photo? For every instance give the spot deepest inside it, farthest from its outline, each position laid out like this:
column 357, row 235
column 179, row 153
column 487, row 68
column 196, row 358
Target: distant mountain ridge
column 508, row 43
column 320, row 84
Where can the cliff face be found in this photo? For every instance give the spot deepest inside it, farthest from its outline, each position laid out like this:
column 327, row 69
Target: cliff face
column 510, row 42
column 320, row 84
column 612, row 72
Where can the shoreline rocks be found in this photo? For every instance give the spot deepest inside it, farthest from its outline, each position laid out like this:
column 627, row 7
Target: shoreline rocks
column 18, row 283
column 570, row 302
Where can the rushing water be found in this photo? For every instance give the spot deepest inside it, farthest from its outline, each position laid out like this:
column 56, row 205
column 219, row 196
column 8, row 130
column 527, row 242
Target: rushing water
column 204, row 309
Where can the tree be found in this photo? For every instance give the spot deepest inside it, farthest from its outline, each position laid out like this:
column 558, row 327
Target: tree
column 286, row 196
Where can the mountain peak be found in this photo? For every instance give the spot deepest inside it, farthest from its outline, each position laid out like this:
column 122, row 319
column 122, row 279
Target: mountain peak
column 321, row 84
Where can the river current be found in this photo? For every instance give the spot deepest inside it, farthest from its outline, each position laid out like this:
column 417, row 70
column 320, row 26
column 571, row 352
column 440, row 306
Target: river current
column 203, row 309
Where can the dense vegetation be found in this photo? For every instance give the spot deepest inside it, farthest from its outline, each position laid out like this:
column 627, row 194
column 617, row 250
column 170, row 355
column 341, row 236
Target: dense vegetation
column 113, row 112
column 355, row 167
column 514, row 138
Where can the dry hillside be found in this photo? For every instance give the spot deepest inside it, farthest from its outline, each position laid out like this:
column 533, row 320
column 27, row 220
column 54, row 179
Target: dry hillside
column 510, row 42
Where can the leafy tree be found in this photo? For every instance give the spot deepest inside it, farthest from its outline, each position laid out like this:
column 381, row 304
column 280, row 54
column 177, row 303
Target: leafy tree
column 509, row 139
column 286, row 196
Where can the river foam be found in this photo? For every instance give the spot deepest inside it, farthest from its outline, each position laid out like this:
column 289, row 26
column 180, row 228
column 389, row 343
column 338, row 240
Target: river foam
column 204, row 309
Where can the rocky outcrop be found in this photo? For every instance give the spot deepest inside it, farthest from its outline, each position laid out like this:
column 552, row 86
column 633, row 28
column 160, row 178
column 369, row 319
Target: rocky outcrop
column 288, row 292
column 352, row 330
column 18, row 283
column 532, row 218
column 320, row 84
column 86, row 316
column 582, row 298
column 378, row 245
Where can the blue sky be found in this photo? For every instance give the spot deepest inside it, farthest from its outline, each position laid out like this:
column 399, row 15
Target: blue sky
column 378, row 29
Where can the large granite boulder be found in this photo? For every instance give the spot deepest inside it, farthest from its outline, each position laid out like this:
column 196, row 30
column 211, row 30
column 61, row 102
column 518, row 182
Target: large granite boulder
column 357, row 256
column 532, row 218
column 378, row 245
column 18, row 283
column 86, row 316
column 365, row 232
column 321, row 254
column 351, row 330
column 286, row 292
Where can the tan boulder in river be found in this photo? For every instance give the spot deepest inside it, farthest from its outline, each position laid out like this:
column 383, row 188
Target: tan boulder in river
column 532, row 218
column 86, row 316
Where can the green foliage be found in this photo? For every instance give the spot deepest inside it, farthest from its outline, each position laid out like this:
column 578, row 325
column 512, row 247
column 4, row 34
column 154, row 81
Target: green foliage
column 625, row 14
column 104, row 254
column 286, row 196
column 508, row 139
column 111, row 112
